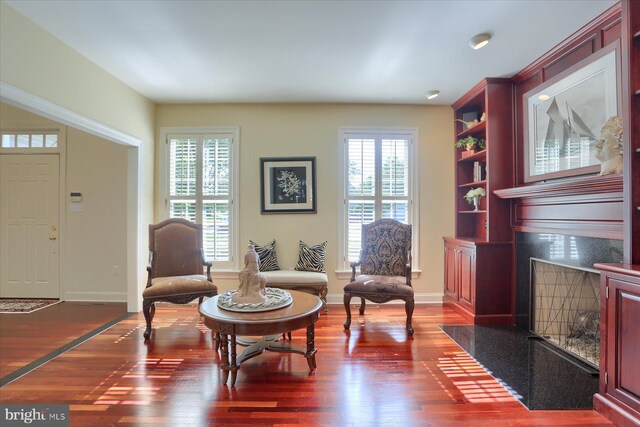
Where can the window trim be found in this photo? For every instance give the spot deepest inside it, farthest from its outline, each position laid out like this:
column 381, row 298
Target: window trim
column 61, row 147
column 342, row 264
column 234, row 193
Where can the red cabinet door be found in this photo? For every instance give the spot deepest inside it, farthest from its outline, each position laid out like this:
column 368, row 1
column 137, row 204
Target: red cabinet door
column 466, row 260
column 623, row 342
column 450, row 276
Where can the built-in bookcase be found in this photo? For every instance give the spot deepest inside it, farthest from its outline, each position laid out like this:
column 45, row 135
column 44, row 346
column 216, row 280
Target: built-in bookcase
column 490, row 168
column 477, row 279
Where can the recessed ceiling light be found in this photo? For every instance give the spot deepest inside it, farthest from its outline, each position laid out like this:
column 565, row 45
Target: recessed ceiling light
column 433, row 94
column 480, row 41
column 543, row 97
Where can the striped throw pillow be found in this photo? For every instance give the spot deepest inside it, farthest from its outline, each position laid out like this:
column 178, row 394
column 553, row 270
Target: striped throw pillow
column 311, row 258
column 267, row 254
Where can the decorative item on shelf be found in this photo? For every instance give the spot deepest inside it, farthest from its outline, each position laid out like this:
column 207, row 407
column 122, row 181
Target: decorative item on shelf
column 477, row 172
column 483, row 117
column 468, row 124
column 473, row 196
column 469, row 143
column 609, row 147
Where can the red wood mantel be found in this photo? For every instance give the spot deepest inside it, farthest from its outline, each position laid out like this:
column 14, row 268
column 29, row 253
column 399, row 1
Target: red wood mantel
column 587, row 206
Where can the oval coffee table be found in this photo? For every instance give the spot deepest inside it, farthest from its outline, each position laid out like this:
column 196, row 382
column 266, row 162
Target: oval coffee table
column 303, row 312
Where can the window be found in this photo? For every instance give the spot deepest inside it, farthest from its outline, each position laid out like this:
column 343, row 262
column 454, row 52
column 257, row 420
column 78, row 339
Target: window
column 30, row 139
column 378, row 182
column 200, row 187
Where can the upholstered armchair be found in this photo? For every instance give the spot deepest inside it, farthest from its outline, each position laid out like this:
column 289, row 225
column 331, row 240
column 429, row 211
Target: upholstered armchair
column 176, row 264
column 385, row 268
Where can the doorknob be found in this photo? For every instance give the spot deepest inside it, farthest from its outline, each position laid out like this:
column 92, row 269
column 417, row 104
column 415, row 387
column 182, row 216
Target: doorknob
column 52, row 237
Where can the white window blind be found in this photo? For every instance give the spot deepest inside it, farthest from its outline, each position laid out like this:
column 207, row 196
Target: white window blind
column 378, row 184
column 200, row 188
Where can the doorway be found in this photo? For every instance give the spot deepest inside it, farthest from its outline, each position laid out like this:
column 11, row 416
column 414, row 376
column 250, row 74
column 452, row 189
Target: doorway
column 29, row 225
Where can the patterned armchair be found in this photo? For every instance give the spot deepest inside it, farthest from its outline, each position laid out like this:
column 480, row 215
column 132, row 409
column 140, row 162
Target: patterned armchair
column 385, row 268
column 176, row 262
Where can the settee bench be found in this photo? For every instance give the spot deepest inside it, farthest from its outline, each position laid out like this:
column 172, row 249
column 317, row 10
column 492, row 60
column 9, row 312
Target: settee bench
column 307, row 281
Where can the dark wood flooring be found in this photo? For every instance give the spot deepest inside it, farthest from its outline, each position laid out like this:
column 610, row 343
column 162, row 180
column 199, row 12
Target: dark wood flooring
column 28, row 337
column 371, row 376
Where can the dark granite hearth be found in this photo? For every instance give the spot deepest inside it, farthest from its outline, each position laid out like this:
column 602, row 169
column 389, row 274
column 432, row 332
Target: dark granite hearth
column 536, row 373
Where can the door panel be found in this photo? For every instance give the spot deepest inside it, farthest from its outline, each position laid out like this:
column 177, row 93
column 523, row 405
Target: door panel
column 29, row 222
column 623, row 342
column 466, row 258
column 450, row 276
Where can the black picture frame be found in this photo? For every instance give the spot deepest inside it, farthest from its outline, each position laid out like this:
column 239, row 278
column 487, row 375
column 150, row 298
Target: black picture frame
column 288, row 185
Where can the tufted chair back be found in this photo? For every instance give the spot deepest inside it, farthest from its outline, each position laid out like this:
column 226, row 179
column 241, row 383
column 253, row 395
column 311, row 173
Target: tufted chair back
column 386, row 248
column 176, row 245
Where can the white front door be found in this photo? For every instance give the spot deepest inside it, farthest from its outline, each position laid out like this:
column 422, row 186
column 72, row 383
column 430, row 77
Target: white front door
column 29, row 225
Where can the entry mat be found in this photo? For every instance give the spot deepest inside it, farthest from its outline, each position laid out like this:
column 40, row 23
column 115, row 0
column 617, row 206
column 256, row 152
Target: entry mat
column 25, row 305
column 539, row 375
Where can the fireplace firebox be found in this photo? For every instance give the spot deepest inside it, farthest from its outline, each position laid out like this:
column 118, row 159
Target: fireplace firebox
column 565, row 308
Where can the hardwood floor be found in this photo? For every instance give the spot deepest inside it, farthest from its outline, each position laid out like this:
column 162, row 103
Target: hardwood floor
column 373, row 375
column 28, row 337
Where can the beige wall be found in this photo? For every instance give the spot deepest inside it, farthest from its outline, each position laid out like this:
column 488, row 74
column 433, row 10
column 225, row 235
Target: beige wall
column 93, row 241
column 312, row 130
column 34, row 61
column 97, row 237
column 41, row 65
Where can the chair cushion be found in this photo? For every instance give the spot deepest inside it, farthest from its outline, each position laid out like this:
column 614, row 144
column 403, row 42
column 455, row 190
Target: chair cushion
column 366, row 283
column 178, row 285
column 293, row 277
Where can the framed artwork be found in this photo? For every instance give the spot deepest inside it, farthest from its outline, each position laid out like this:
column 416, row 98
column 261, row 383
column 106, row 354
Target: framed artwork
column 563, row 117
column 288, row 184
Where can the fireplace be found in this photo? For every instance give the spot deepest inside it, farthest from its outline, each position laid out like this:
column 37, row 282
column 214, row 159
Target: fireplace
column 565, row 308
column 560, row 254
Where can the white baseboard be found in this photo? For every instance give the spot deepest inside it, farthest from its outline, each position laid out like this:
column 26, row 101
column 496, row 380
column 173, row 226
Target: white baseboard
column 96, row 296
column 435, row 298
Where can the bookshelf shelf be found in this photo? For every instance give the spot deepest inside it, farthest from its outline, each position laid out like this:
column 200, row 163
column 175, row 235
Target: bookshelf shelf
column 480, row 155
column 473, row 184
column 479, row 128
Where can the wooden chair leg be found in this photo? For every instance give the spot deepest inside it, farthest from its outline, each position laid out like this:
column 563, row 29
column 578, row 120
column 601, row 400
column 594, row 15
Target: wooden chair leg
column 363, row 305
column 408, row 306
column 146, row 309
column 323, row 298
column 347, row 307
column 153, row 310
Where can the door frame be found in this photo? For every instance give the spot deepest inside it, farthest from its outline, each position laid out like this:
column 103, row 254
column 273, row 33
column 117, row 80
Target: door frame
column 61, row 152
column 136, row 249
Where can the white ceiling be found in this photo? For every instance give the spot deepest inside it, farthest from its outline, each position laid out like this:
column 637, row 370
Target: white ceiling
column 308, row 51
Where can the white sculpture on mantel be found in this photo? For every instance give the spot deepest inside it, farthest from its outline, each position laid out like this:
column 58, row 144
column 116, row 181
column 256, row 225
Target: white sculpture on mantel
column 609, row 149
column 252, row 289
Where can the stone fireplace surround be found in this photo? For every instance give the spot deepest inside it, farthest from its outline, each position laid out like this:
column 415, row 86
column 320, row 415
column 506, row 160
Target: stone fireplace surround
column 563, row 249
